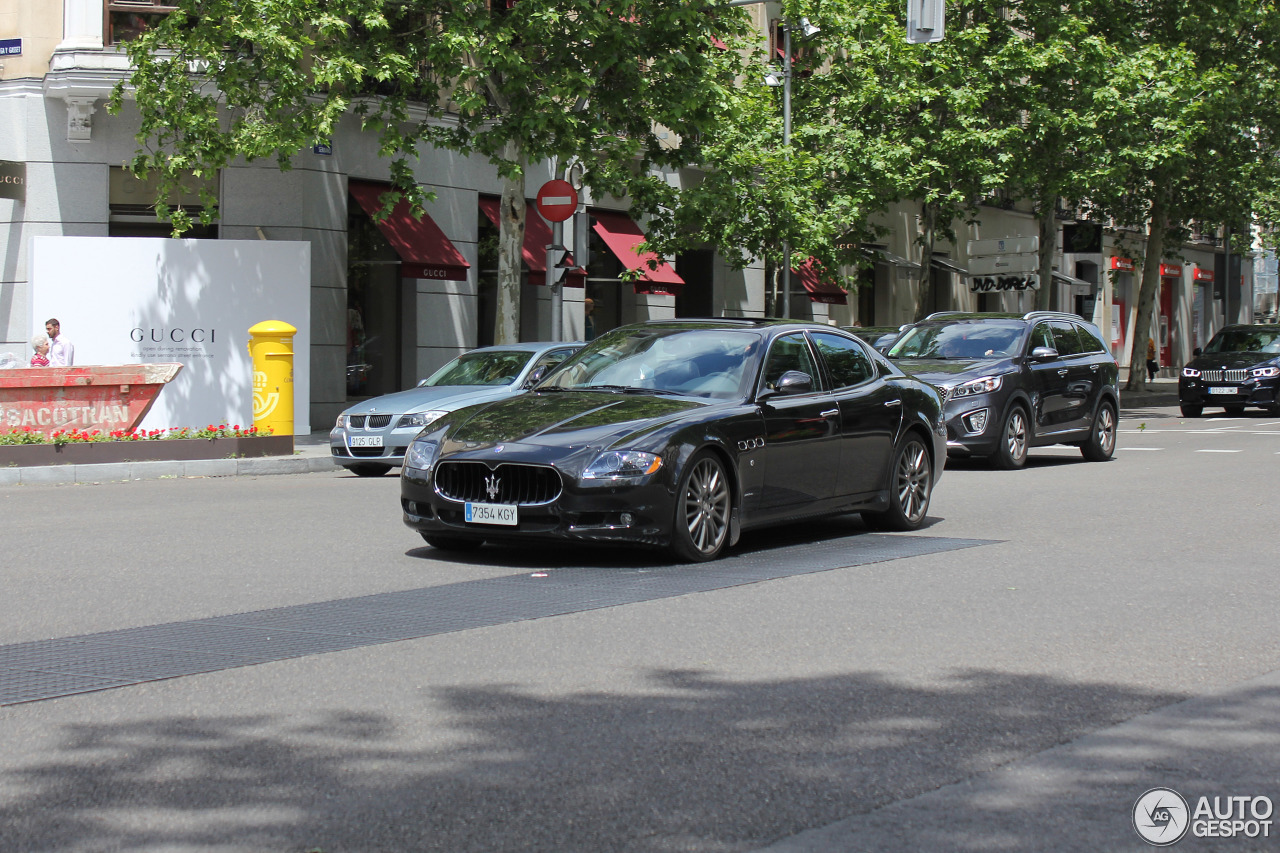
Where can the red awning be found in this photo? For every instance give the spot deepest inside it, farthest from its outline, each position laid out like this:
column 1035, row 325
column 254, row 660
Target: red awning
column 622, row 236
column 425, row 251
column 809, row 275
column 537, row 236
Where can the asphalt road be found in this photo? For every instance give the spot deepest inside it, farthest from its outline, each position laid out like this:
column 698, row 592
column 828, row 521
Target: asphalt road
column 1116, row 633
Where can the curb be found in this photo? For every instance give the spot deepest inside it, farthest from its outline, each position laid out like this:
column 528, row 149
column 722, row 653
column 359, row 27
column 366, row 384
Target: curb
column 47, row 475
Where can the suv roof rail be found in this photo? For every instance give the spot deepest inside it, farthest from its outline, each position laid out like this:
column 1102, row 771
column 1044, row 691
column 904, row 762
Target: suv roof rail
column 1051, row 315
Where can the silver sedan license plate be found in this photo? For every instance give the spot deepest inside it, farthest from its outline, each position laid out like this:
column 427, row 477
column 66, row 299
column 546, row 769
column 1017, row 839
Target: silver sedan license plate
column 365, row 440
column 504, row 514
column 1221, row 390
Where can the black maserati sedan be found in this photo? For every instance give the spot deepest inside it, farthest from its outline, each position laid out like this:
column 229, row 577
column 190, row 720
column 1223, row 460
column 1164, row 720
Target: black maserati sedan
column 1011, row 382
column 680, row 434
column 1239, row 367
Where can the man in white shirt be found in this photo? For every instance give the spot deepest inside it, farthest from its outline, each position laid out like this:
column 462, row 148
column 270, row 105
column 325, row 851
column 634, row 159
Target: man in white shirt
column 61, row 352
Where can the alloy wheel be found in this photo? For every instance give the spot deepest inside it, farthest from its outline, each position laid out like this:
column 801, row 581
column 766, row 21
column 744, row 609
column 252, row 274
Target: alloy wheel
column 913, row 478
column 706, row 506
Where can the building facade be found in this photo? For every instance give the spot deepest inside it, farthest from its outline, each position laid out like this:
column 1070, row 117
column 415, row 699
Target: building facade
column 392, row 301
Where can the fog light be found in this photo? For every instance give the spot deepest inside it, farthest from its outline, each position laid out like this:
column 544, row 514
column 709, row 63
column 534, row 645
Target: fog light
column 626, row 519
column 975, row 422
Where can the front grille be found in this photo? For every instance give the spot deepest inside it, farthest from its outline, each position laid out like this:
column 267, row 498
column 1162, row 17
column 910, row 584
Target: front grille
column 370, row 421
column 1224, row 375
column 945, row 393
column 504, row 484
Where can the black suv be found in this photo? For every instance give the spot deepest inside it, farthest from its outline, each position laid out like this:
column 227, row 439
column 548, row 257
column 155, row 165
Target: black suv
column 1015, row 381
column 1239, row 367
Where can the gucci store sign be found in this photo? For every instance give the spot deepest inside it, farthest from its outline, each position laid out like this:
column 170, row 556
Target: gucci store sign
column 13, row 180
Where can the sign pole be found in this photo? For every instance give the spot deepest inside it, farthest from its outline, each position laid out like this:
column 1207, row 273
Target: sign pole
column 557, row 293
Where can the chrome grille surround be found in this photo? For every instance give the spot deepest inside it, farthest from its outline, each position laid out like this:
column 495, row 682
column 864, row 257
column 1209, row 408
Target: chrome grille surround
column 1224, row 375
column 526, row 485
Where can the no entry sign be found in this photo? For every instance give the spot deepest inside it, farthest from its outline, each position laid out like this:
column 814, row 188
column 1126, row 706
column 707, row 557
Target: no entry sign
column 557, row 200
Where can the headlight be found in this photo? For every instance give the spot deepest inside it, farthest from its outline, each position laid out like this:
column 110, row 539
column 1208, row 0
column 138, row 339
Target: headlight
column 340, row 422
column 1265, row 372
column 421, row 454
column 420, row 419
column 1190, row 373
column 615, row 465
column 985, row 385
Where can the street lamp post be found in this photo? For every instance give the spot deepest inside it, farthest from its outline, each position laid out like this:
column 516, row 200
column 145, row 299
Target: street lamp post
column 807, row 30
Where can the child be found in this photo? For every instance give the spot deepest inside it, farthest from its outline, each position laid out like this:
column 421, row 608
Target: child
column 40, row 343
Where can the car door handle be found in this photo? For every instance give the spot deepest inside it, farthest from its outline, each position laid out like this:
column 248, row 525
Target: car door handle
column 830, row 413
column 892, row 403
column 1062, row 372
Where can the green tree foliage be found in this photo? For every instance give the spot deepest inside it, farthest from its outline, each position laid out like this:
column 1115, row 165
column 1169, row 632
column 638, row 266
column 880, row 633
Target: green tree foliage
column 1193, row 125
column 622, row 86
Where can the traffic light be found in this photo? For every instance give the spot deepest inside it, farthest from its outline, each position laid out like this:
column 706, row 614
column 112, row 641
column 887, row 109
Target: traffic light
column 925, row 20
column 558, row 261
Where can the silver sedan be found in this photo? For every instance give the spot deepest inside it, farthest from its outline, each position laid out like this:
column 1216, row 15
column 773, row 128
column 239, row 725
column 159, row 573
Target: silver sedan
column 370, row 438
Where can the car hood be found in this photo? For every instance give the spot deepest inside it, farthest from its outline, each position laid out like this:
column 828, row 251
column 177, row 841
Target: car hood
column 1232, row 360
column 566, row 419
column 436, row 397
column 951, row 371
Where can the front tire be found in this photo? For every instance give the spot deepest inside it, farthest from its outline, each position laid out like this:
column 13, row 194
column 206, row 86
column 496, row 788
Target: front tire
column 445, row 542
column 909, row 490
column 704, row 505
column 1102, row 437
column 1190, row 411
column 1014, row 435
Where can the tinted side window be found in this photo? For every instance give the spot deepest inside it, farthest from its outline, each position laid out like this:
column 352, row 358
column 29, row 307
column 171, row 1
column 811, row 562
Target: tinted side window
column 1090, row 339
column 789, row 352
column 1065, row 339
column 1040, row 337
column 846, row 361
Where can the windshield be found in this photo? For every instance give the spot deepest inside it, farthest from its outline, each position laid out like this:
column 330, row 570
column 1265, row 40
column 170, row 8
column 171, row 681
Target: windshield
column 1245, row 340
column 493, row 367
column 960, row 340
column 714, row 363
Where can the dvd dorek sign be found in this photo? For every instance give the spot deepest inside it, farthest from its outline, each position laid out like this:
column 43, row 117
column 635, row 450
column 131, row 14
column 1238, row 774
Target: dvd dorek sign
column 1004, row 283
column 13, row 180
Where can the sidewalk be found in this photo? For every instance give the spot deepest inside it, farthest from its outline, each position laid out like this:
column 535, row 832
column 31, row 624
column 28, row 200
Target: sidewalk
column 1159, row 392
column 310, row 454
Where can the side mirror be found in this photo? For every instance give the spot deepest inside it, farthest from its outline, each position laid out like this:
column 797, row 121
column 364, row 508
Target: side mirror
column 1044, row 354
column 1197, row 351
column 536, row 376
column 794, row 382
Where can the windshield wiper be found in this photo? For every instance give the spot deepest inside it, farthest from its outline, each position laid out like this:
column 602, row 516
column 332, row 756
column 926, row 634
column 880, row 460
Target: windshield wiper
column 625, row 389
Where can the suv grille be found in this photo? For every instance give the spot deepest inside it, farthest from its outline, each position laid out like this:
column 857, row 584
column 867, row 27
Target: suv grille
column 944, row 392
column 505, row 484
column 1227, row 375
column 370, row 421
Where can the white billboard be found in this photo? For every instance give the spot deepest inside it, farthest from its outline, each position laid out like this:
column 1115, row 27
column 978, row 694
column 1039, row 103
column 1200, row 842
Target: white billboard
column 133, row 300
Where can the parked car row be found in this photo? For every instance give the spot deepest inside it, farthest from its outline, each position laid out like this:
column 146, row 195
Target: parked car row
column 683, row 433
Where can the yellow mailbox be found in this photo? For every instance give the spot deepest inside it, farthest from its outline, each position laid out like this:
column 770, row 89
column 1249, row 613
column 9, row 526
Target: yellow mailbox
column 271, row 346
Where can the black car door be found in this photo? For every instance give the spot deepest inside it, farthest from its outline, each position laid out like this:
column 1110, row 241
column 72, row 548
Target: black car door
column 1049, row 380
column 1081, row 381
column 870, row 414
column 802, row 431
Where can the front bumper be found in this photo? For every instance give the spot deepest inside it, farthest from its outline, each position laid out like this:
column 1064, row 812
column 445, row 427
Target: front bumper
column 344, row 445
column 973, row 426
column 639, row 514
column 1252, row 392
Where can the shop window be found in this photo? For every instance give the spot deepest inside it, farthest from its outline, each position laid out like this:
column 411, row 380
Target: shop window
column 132, row 206
column 125, row 20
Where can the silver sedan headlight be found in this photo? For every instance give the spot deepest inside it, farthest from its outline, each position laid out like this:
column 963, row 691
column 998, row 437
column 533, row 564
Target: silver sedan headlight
column 419, row 419
column 340, row 422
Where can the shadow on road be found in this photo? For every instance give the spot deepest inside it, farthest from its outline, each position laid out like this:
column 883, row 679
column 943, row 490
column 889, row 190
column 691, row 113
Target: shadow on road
column 687, row 762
